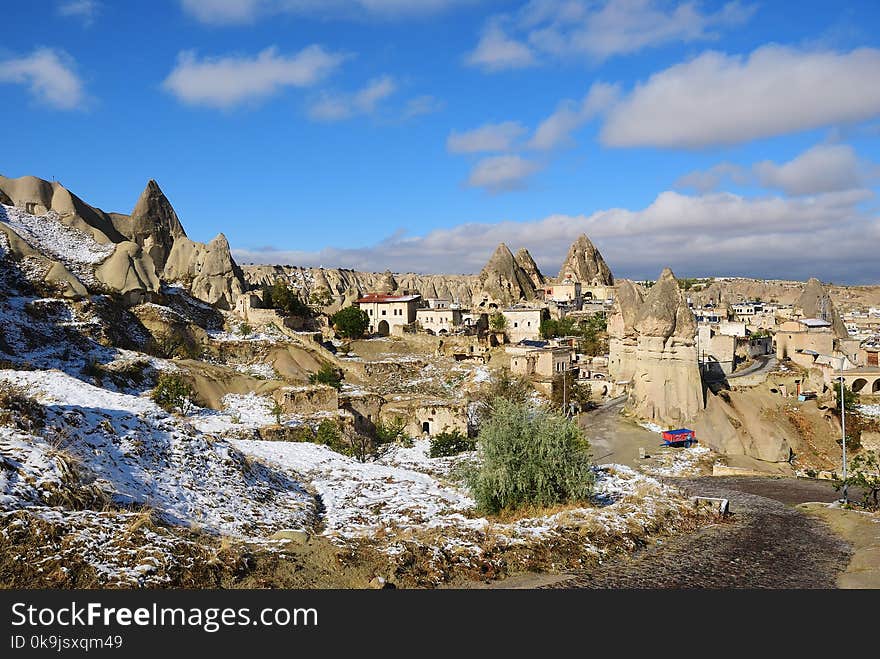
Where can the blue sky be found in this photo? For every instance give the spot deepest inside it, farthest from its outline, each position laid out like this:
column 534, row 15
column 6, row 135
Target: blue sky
column 729, row 138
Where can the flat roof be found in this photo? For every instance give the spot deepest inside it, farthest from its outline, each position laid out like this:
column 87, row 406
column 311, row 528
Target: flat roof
column 382, row 298
column 814, row 322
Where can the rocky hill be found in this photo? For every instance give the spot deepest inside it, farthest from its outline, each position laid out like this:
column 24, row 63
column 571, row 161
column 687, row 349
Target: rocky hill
column 585, row 264
column 67, row 245
column 731, row 290
column 652, row 347
column 815, row 302
column 505, row 279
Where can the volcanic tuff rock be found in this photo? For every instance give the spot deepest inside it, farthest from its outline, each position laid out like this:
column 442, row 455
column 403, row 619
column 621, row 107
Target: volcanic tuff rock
column 153, row 224
column 623, row 338
column 815, row 302
column 585, row 264
column 209, row 270
column 346, row 285
column 38, row 197
column 502, row 281
column 129, row 271
column 653, row 346
column 44, row 270
column 387, row 284
column 144, row 243
column 527, row 263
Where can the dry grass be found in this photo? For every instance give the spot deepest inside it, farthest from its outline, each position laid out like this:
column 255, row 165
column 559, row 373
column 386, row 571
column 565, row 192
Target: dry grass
column 19, row 409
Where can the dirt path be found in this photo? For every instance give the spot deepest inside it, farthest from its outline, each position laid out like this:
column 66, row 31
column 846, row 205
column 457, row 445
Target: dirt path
column 614, row 438
column 766, row 543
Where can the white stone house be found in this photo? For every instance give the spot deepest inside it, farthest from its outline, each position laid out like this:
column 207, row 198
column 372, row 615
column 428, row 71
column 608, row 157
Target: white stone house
column 439, row 320
column 389, row 314
column 523, row 323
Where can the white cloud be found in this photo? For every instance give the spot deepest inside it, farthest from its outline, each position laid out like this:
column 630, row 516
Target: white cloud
column 85, row 10
column 232, row 12
column 486, row 138
column 823, row 168
column 556, row 129
column 502, row 173
column 826, row 236
column 597, row 30
column 496, row 51
column 725, row 99
column 224, row 82
column 367, row 98
column 50, row 78
column 422, row 105
column 712, row 178
column 336, row 107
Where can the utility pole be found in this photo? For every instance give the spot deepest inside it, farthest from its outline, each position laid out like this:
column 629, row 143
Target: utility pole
column 843, row 429
column 564, row 391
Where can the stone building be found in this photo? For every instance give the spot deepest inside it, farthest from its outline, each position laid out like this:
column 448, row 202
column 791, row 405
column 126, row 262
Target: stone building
column 523, row 323
column 803, row 340
column 439, row 320
column 423, row 416
column 542, row 361
column 389, row 314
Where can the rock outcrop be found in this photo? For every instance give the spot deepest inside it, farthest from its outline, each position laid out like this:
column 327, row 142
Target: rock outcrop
column 387, row 284
column 129, row 271
column 143, row 244
column 622, row 335
column 38, row 197
column 527, row 263
column 51, row 274
column 653, row 347
column 502, row 281
column 734, row 425
column 153, row 224
column 815, row 302
column 208, row 270
column 585, row 264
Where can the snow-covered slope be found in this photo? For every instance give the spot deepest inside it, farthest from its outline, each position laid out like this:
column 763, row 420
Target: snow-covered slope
column 77, row 250
column 138, row 454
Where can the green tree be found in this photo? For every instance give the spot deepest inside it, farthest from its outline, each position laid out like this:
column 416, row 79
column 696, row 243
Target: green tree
column 327, row 375
column 330, row 435
column 451, row 442
column 391, row 432
column 502, row 385
column 850, row 399
column 864, row 473
column 321, row 297
column 567, row 390
column 498, row 322
column 529, row 457
column 276, row 412
column 351, row 322
column 282, row 297
column 173, row 392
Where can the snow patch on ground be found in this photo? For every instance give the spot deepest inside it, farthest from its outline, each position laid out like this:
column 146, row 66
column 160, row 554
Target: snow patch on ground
column 685, row 461
column 267, row 336
column 653, row 427
column 139, row 455
column 239, row 411
column 47, row 234
column 405, row 494
column 258, row 370
column 360, row 497
column 872, row 411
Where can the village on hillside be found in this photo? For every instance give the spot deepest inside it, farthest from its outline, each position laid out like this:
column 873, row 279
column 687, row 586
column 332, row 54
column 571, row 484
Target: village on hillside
column 168, row 416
